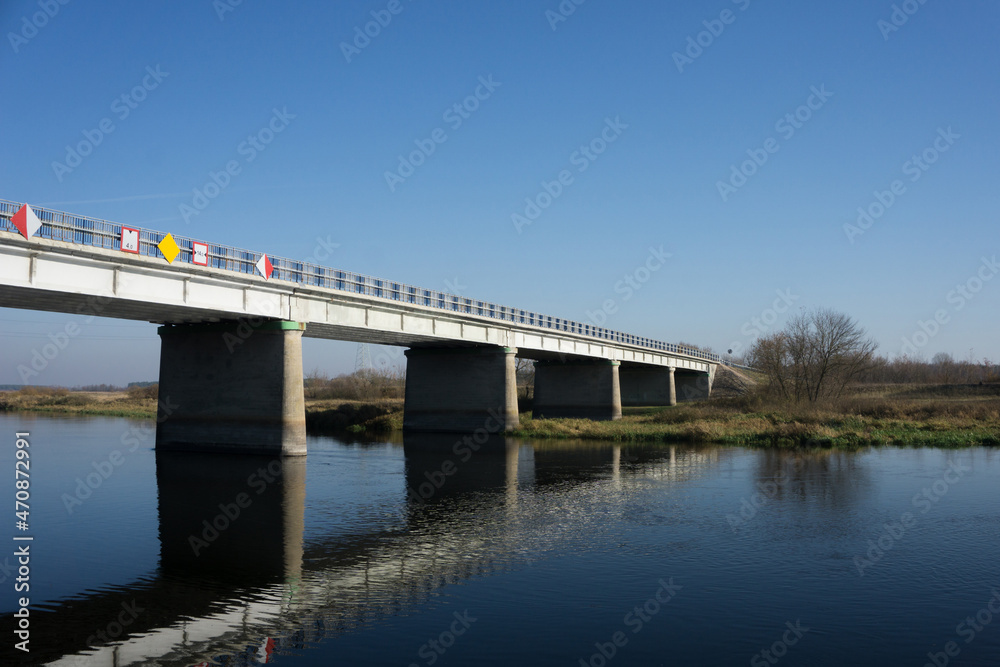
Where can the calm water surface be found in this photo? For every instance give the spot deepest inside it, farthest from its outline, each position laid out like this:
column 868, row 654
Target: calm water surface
column 425, row 552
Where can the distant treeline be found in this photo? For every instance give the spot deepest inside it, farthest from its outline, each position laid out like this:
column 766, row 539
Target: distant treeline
column 88, row 387
column 942, row 369
column 362, row 385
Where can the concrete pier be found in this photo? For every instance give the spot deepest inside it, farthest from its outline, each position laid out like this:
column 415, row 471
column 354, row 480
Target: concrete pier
column 585, row 389
column 694, row 386
column 460, row 389
column 648, row 385
column 233, row 388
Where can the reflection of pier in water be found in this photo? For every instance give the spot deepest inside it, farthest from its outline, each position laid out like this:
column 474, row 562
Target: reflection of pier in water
column 256, row 580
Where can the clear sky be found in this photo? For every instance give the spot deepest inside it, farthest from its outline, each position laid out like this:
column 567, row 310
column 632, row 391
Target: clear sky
column 647, row 112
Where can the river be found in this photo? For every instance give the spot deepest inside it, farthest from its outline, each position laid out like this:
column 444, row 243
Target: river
column 439, row 550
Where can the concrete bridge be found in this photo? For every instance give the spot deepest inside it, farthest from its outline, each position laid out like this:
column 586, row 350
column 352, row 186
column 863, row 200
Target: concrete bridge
column 231, row 358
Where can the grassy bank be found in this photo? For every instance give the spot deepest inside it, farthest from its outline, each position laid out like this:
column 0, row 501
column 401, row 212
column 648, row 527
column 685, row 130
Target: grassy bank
column 136, row 405
column 322, row 416
column 355, row 417
column 904, row 415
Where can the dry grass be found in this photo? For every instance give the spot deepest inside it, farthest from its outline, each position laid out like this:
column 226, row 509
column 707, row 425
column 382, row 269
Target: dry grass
column 114, row 404
column 912, row 416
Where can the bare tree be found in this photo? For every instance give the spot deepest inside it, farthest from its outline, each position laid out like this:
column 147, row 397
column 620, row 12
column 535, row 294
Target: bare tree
column 816, row 355
column 524, row 372
column 771, row 356
column 945, row 367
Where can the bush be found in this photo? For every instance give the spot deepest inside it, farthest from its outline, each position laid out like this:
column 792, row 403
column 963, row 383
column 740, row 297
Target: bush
column 138, row 393
column 353, row 417
column 43, row 392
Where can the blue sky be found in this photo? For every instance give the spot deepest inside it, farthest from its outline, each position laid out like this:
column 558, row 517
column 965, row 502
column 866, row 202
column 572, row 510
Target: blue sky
column 682, row 123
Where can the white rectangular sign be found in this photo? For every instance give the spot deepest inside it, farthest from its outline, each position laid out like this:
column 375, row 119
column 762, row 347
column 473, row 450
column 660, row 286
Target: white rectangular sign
column 130, row 240
column 199, row 253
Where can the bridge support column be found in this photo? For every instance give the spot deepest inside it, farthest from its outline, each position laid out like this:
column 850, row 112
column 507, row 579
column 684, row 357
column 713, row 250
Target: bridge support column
column 648, row 385
column 461, row 389
column 581, row 389
column 694, row 386
column 233, row 388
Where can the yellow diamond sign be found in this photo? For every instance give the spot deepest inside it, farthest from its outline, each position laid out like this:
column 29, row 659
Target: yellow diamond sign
column 169, row 248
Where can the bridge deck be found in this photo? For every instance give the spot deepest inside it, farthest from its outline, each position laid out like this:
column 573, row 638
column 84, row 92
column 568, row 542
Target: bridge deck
column 81, row 236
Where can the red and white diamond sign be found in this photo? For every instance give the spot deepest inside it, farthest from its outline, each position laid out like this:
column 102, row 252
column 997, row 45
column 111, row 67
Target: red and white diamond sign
column 264, row 266
column 26, row 221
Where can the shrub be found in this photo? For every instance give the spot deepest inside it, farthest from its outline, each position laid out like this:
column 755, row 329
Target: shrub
column 138, row 393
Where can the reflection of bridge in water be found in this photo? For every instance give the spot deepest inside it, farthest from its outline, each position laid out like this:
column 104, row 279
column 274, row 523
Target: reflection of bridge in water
column 256, row 584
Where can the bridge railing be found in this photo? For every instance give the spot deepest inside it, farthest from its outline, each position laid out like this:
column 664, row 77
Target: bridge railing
column 60, row 226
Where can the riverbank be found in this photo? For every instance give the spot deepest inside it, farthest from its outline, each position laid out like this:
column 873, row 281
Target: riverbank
column 355, row 417
column 902, row 415
column 322, row 415
column 64, row 401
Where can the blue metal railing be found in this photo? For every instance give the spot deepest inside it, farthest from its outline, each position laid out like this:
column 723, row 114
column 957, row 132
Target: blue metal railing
column 59, row 226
